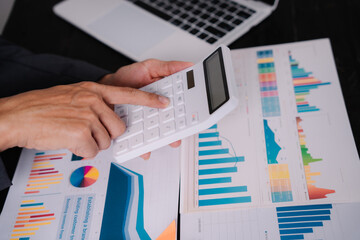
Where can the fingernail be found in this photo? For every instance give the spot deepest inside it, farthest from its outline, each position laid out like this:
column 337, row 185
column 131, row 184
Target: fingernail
column 163, row 100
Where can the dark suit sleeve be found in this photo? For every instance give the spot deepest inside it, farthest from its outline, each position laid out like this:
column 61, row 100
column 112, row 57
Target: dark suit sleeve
column 22, row 70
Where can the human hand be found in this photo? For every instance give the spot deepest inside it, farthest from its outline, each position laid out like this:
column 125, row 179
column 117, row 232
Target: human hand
column 140, row 74
column 76, row 117
column 143, row 73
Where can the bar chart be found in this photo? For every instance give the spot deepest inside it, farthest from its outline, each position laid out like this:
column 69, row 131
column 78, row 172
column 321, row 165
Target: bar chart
column 298, row 222
column 32, row 215
column 218, row 163
column 43, row 174
column 278, row 172
column 303, row 82
column 313, row 191
column 268, row 85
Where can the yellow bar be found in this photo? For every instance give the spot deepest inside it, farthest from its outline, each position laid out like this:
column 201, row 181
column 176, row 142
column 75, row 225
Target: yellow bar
column 27, row 201
column 45, row 183
column 53, row 155
column 46, row 166
column 34, row 208
column 43, row 180
column 36, row 188
column 25, row 229
column 314, row 174
column 24, row 217
column 40, row 163
column 35, row 220
column 310, row 182
column 25, row 213
column 265, row 60
column 36, row 224
column 22, row 234
column 300, row 81
column 14, row 238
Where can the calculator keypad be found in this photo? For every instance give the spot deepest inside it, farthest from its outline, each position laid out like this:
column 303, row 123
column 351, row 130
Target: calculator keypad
column 145, row 124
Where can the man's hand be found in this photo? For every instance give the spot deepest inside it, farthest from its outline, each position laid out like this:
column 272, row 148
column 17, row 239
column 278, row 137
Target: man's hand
column 76, row 117
column 143, row 73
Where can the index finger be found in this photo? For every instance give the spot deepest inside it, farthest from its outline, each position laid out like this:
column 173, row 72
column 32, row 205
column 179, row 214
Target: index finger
column 126, row 95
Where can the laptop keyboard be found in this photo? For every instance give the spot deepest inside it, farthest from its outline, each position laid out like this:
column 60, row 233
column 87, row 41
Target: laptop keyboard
column 208, row 20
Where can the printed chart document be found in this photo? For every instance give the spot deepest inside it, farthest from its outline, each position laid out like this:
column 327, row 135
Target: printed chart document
column 58, row 195
column 284, row 164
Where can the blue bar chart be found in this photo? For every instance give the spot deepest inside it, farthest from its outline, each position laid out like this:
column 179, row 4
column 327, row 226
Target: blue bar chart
column 303, row 82
column 218, row 163
column 295, row 222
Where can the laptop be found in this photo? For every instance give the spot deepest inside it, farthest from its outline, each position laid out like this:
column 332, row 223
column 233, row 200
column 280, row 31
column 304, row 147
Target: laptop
column 165, row 29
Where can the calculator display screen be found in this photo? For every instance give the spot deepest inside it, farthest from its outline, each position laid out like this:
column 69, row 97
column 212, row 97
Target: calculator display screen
column 215, row 78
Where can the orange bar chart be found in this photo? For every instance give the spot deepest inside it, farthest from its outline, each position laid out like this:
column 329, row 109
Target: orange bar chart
column 31, row 217
column 43, row 174
column 313, row 191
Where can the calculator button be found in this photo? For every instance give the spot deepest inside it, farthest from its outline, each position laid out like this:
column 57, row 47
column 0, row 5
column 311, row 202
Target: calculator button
column 121, row 110
column 179, row 99
column 167, row 92
column 167, row 116
column 135, row 108
column 136, row 117
column 164, row 83
column 131, row 131
column 178, row 88
column 180, row 111
column 178, row 78
column 180, row 123
column 152, row 134
column 136, row 141
column 194, row 118
column 121, row 147
column 167, row 128
column 149, row 112
column 151, row 88
column 151, row 122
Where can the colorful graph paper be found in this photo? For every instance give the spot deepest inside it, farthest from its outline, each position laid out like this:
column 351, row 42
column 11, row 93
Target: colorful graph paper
column 212, row 153
column 313, row 191
column 268, row 85
column 43, row 174
column 278, row 173
column 303, row 82
column 32, row 215
column 298, row 222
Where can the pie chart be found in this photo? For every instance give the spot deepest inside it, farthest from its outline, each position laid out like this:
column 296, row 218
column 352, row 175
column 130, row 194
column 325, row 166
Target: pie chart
column 84, row 176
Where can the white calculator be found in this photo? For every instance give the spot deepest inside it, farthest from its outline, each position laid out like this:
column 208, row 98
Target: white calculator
column 199, row 97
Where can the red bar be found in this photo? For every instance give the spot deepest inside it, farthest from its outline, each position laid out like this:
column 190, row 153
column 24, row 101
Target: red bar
column 30, row 192
column 43, row 215
column 17, row 226
column 33, row 174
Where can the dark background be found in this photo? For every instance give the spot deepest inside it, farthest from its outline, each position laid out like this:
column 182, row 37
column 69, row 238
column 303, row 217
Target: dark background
column 32, row 24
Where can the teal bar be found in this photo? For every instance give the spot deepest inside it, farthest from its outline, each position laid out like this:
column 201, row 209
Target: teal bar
column 214, row 180
column 211, row 191
column 39, row 153
column 208, row 135
column 221, row 160
column 209, row 143
column 24, row 238
column 217, row 170
column 31, row 204
column 213, row 126
column 213, row 152
column 223, row 201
